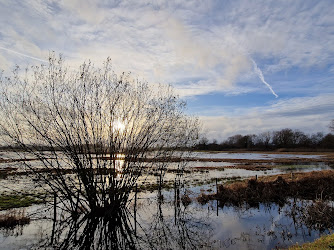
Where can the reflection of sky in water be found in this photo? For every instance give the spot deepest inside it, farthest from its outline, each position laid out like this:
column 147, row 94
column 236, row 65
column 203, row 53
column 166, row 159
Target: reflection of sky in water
column 28, row 235
column 203, row 155
column 233, row 228
column 62, row 160
column 250, row 156
column 264, row 227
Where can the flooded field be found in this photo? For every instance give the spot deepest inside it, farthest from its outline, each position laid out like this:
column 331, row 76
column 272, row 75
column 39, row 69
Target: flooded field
column 171, row 216
column 252, row 156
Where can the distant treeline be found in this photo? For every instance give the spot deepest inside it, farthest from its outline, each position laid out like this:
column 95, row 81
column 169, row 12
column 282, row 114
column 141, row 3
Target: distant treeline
column 285, row 138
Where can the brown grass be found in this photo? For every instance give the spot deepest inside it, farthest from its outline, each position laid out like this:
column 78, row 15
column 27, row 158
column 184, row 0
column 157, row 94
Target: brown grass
column 277, row 188
column 13, row 218
column 319, row 215
column 186, row 200
column 4, row 172
column 203, row 198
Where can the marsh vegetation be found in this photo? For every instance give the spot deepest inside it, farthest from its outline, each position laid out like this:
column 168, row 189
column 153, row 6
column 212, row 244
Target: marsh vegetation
column 157, row 206
column 102, row 161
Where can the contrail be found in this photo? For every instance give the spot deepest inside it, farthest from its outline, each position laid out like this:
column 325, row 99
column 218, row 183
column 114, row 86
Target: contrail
column 18, row 53
column 260, row 75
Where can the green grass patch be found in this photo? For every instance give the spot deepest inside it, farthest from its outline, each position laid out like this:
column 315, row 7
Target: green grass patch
column 324, row 242
column 232, row 179
column 19, row 200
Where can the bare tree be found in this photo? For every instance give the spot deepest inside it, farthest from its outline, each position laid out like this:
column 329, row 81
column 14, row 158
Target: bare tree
column 104, row 129
column 331, row 125
column 316, row 139
column 263, row 139
column 283, row 138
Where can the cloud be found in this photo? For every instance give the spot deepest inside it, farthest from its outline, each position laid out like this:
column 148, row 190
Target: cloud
column 3, row 62
column 200, row 47
column 205, row 45
column 139, row 33
column 302, row 106
column 84, row 10
column 197, row 55
column 309, row 114
column 24, row 55
column 258, row 71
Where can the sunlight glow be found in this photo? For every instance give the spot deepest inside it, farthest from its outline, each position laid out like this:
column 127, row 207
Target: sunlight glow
column 119, row 126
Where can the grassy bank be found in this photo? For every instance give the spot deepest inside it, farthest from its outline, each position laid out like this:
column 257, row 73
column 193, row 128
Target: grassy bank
column 277, row 188
column 324, row 242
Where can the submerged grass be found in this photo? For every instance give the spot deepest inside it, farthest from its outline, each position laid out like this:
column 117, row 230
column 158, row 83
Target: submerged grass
column 319, row 215
column 201, row 182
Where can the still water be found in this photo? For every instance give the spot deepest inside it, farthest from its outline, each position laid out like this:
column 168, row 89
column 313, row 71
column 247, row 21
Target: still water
column 168, row 224
column 159, row 219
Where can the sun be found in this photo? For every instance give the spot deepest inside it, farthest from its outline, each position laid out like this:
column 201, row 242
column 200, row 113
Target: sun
column 119, row 126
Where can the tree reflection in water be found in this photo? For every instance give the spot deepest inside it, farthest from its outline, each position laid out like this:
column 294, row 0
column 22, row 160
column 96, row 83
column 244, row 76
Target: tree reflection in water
column 94, row 232
column 160, row 230
column 163, row 222
column 181, row 230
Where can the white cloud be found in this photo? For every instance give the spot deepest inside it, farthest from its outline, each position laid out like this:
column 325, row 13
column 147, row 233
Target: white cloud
column 200, row 47
column 198, row 38
column 309, row 114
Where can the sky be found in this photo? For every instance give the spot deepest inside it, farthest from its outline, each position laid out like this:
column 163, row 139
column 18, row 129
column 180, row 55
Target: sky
column 244, row 67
